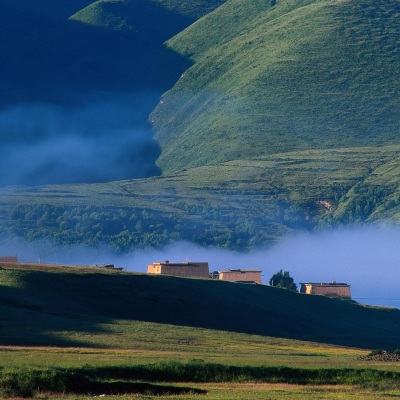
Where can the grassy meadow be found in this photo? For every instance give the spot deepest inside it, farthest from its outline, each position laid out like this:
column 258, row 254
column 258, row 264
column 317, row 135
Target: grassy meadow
column 65, row 328
column 278, row 116
column 238, row 205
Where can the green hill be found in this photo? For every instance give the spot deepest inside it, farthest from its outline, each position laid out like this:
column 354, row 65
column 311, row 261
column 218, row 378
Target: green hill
column 60, row 304
column 52, row 49
column 242, row 204
column 78, row 82
column 285, row 119
column 277, row 76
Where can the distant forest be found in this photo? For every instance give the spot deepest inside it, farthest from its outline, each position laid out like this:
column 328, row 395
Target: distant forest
column 125, row 229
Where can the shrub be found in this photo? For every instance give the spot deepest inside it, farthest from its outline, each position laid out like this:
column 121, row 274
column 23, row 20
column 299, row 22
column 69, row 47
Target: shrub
column 26, row 382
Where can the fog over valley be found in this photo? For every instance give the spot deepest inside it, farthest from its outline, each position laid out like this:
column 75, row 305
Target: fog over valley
column 96, row 138
column 200, row 197
column 366, row 258
column 129, row 125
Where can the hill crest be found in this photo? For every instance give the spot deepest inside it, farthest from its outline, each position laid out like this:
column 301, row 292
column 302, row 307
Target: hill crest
column 292, row 76
column 55, row 300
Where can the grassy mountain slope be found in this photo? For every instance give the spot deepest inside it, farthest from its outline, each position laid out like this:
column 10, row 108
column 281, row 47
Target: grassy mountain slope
column 271, row 77
column 51, row 47
column 78, row 81
column 240, row 204
column 270, row 116
column 58, row 304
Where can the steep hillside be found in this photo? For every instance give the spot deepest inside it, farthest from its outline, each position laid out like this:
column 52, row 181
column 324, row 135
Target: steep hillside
column 78, row 81
column 277, row 76
column 59, row 304
column 285, row 118
column 50, row 47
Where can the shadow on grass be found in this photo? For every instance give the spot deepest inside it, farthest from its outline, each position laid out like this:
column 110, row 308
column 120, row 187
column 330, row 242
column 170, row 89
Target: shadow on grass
column 77, row 383
column 70, row 56
column 135, row 379
column 28, row 382
column 49, row 306
column 82, row 87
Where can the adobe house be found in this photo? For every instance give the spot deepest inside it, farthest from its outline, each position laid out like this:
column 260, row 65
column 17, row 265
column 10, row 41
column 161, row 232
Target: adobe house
column 339, row 290
column 8, row 259
column 187, row 269
column 238, row 275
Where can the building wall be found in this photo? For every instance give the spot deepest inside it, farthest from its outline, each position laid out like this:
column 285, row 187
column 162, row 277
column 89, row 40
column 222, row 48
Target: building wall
column 12, row 259
column 329, row 290
column 240, row 275
column 151, row 269
column 192, row 269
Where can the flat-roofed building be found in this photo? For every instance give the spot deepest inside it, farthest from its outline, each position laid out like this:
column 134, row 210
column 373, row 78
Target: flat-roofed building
column 187, row 269
column 334, row 289
column 238, row 275
column 8, row 259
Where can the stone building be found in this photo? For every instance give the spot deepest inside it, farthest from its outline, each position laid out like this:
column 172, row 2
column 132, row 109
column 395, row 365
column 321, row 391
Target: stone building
column 238, row 275
column 187, row 269
column 339, row 290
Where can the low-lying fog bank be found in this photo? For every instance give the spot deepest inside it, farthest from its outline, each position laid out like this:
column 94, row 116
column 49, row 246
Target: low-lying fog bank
column 366, row 258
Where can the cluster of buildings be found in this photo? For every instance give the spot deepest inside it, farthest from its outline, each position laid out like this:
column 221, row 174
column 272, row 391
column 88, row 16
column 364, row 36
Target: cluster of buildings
column 201, row 270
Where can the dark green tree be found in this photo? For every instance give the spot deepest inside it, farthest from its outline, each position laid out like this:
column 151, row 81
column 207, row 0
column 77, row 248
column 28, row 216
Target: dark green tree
column 282, row 279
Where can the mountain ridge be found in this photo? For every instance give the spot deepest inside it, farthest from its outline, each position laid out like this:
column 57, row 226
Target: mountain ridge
column 279, row 86
column 78, row 82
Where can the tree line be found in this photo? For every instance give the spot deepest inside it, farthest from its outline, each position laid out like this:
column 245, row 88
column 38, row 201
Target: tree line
column 126, row 229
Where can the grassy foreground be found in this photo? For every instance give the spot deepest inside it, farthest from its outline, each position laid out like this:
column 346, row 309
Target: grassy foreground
column 77, row 352
column 139, row 379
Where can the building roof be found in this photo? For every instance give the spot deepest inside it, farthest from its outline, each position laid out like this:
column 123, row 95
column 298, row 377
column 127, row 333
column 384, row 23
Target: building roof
column 324, row 284
column 242, row 271
column 184, row 264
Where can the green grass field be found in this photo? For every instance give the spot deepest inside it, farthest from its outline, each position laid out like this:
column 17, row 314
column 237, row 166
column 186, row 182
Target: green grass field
column 285, row 117
column 111, row 326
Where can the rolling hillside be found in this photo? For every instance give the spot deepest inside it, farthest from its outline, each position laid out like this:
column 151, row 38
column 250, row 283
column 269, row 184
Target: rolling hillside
column 285, row 118
column 62, row 306
column 277, row 76
column 242, row 204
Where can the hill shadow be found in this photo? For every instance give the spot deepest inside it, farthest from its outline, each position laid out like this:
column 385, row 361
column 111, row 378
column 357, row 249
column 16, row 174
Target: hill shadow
column 61, row 302
column 76, row 97
column 55, row 58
